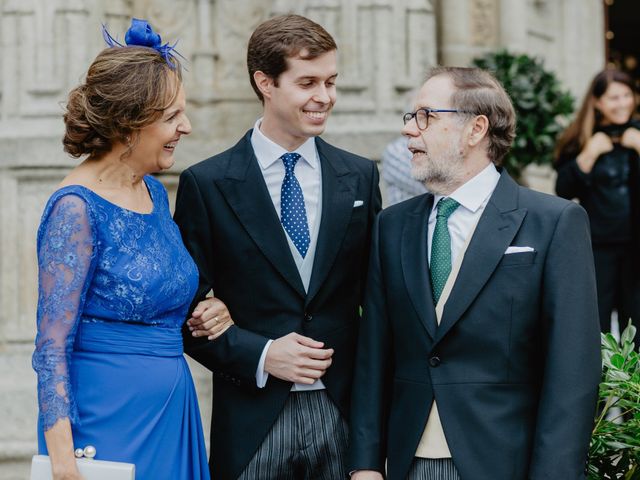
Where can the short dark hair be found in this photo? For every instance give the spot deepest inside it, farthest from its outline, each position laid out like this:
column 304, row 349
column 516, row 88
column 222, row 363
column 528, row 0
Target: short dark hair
column 282, row 37
column 126, row 89
column 480, row 93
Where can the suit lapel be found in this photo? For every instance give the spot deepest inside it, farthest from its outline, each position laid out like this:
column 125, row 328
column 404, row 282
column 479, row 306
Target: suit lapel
column 339, row 188
column 415, row 266
column 497, row 227
column 246, row 192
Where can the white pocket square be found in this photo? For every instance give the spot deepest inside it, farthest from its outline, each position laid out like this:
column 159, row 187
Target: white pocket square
column 358, row 203
column 518, row 250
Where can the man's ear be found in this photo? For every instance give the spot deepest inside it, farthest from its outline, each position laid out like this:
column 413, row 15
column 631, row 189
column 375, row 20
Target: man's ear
column 264, row 83
column 479, row 130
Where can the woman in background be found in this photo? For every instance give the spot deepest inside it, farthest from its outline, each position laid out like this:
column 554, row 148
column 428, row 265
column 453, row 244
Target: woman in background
column 597, row 162
column 115, row 281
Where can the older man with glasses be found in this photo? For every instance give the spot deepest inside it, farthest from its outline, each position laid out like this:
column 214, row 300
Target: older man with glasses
column 478, row 354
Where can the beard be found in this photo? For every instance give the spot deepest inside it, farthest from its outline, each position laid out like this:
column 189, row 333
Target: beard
column 443, row 173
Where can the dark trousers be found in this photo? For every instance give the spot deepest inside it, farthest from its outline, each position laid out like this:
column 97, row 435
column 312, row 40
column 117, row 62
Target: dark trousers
column 433, row 469
column 618, row 285
column 307, row 442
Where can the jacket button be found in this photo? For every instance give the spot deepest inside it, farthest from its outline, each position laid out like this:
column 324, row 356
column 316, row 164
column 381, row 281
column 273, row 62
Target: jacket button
column 434, row 361
column 307, row 317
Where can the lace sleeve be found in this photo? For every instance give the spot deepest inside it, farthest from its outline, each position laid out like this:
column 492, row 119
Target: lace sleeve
column 65, row 264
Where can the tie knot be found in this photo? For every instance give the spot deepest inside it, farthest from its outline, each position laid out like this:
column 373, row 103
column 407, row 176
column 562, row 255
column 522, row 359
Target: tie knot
column 446, row 206
column 289, row 160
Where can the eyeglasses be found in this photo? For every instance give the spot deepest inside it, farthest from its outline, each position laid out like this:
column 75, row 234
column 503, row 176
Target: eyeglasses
column 422, row 116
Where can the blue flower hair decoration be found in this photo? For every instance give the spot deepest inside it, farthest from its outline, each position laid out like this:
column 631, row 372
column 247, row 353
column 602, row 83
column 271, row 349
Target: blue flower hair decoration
column 141, row 34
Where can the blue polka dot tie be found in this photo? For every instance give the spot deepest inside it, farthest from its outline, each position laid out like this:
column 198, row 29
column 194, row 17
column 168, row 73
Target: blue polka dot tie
column 293, row 215
column 440, row 265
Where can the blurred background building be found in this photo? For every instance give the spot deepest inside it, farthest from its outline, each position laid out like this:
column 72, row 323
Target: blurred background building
column 622, row 46
column 385, row 47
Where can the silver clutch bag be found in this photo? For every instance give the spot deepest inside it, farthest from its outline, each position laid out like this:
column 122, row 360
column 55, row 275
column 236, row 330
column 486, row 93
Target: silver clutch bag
column 89, row 469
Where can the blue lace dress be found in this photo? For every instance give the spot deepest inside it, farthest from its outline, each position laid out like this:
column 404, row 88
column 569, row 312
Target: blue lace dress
column 114, row 289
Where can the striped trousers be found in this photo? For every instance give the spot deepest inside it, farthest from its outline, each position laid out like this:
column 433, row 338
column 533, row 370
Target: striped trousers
column 433, row 469
column 308, row 441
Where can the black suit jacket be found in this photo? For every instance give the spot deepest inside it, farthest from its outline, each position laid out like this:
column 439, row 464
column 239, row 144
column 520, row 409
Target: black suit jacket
column 230, row 227
column 514, row 364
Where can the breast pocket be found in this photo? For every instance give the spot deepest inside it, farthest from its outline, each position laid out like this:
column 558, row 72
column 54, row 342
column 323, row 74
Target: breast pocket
column 516, row 259
column 358, row 215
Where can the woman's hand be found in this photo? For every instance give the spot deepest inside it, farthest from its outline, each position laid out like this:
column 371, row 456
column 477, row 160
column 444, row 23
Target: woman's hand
column 210, row 318
column 598, row 144
column 66, row 471
column 60, row 446
column 631, row 139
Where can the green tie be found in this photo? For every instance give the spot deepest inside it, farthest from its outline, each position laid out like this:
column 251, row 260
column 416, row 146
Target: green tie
column 440, row 266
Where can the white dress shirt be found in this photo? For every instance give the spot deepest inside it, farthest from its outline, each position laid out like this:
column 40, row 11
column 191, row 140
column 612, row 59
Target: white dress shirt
column 473, row 197
column 309, row 175
column 307, row 170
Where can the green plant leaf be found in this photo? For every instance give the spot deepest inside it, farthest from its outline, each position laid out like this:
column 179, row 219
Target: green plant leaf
column 618, row 445
column 614, row 452
column 628, row 334
column 618, row 375
column 611, row 341
column 617, row 360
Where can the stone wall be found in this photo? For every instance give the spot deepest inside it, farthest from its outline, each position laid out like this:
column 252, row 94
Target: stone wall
column 385, row 47
column 568, row 35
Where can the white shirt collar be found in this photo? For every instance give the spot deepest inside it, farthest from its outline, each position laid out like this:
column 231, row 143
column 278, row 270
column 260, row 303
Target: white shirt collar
column 474, row 192
column 268, row 152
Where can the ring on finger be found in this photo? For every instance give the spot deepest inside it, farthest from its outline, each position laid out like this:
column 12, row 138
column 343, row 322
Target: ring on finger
column 215, row 320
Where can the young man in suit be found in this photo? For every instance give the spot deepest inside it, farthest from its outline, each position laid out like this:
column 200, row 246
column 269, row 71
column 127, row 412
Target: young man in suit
column 478, row 355
column 280, row 226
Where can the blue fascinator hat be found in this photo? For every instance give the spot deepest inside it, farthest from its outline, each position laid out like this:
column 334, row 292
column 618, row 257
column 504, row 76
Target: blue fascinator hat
column 141, row 34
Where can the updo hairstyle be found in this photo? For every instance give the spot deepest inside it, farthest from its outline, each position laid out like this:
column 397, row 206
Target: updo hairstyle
column 126, row 89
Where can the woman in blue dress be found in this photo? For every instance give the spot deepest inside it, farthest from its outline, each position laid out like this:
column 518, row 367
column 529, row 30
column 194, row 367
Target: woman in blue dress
column 115, row 281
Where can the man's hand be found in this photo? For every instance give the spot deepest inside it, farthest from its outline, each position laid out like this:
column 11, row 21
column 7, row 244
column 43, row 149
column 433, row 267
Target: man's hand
column 210, row 318
column 366, row 475
column 297, row 359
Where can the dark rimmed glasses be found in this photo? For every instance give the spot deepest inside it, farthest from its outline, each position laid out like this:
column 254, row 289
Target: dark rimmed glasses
column 422, row 115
